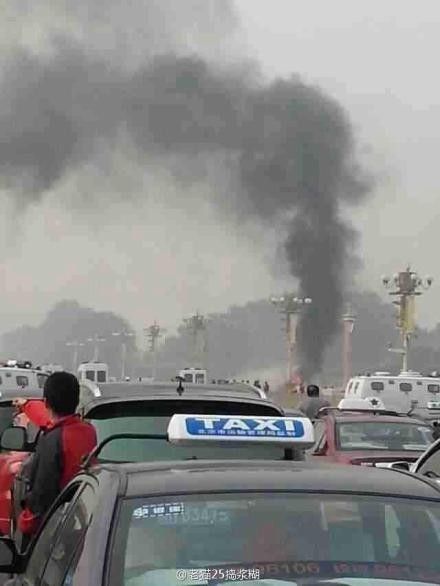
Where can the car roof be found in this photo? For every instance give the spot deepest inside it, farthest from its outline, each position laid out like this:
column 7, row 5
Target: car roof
column 172, row 395
column 156, row 478
column 156, row 387
column 348, row 417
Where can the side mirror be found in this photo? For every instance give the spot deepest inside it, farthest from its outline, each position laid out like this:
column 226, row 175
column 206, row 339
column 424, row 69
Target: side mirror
column 14, row 439
column 10, row 560
column 401, row 465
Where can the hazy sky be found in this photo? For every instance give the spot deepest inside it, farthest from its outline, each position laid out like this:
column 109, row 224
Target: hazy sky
column 378, row 57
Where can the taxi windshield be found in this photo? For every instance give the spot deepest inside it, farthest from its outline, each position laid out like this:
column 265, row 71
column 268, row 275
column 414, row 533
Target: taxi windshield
column 144, row 450
column 383, row 435
column 279, row 537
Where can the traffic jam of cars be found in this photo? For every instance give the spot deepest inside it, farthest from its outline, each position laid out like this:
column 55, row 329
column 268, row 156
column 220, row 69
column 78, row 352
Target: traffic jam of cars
column 214, row 483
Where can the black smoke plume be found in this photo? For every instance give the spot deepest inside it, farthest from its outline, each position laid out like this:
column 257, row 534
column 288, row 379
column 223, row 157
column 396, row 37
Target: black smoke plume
column 289, row 145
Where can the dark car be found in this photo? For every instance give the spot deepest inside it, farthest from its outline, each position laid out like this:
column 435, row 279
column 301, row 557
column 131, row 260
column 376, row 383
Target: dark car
column 369, row 437
column 219, row 522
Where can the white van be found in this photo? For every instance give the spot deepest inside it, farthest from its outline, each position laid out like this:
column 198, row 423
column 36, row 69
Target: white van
column 400, row 392
column 194, row 375
column 16, row 375
column 96, row 372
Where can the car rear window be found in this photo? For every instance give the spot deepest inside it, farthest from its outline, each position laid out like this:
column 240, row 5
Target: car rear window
column 153, row 417
column 283, row 535
column 380, row 435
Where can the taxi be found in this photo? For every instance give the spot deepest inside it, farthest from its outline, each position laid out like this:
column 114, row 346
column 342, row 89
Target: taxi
column 206, row 522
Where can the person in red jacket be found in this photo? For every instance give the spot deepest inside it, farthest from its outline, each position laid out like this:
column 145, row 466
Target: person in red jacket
column 65, row 440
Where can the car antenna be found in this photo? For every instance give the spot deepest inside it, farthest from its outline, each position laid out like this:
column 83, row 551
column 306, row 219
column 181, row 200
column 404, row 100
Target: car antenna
column 180, row 390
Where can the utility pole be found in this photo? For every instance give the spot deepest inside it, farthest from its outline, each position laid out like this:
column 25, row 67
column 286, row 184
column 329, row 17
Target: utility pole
column 75, row 345
column 196, row 324
column 153, row 333
column 348, row 320
column 124, row 335
column 290, row 306
column 96, row 341
column 405, row 287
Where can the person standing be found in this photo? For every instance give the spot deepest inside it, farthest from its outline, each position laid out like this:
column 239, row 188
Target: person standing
column 313, row 402
column 60, row 450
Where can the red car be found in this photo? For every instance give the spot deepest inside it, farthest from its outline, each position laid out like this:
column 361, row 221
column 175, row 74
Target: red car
column 369, row 437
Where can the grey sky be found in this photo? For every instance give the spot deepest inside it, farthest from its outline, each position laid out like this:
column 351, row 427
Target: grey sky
column 378, row 57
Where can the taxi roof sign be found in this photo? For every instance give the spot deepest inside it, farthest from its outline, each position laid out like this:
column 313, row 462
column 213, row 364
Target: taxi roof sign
column 433, row 404
column 233, row 429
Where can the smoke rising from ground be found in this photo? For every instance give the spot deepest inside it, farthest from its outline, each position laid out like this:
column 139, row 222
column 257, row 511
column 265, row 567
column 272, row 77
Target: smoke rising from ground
column 279, row 153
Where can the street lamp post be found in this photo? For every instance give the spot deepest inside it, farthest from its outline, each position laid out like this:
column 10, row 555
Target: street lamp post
column 153, row 333
column 124, row 335
column 196, row 324
column 75, row 345
column 290, row 306
column 96, row 341
column 348, row 320
column 406, row 286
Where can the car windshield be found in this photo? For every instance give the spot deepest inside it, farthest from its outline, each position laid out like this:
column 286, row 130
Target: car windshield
column 282, row 538
column 383, row 435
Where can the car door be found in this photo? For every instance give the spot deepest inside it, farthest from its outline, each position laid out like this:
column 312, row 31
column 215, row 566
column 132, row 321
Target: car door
column 56, row 550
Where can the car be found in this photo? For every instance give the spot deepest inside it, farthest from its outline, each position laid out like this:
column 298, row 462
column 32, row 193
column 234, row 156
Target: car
column 369, row 437
column 219, row 522
column 148, row 412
